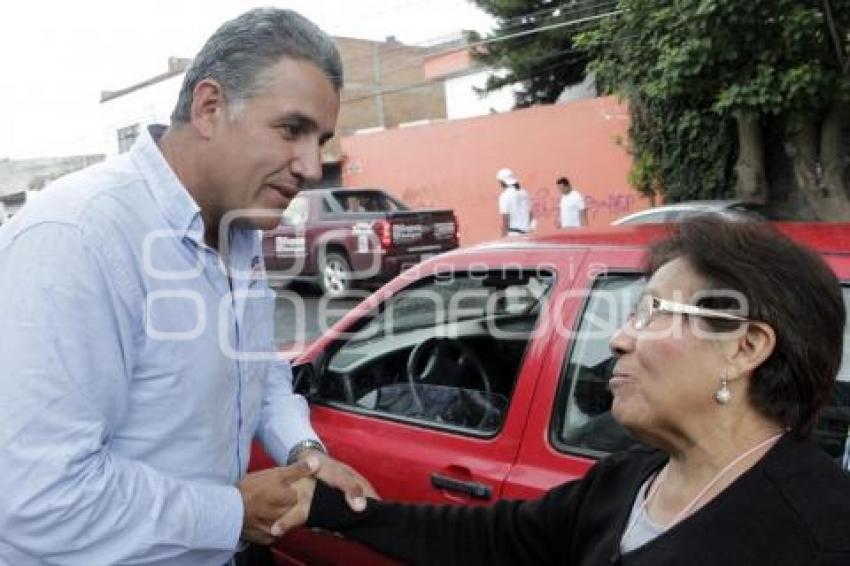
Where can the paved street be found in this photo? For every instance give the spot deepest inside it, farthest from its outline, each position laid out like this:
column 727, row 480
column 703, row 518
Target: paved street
column 302, row 314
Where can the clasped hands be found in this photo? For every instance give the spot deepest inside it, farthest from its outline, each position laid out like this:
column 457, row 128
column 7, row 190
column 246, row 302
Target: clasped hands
column 278, row 499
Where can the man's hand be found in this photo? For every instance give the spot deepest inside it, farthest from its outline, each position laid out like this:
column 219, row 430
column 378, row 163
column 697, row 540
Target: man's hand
column 268, row 495
column 298, row 513
column 335, row 473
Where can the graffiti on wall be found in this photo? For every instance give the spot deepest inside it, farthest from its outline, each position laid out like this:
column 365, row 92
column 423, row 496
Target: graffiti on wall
column 546, row 201
column 619, row 203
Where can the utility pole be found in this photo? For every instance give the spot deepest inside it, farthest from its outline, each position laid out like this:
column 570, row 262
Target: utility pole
column 379, row 88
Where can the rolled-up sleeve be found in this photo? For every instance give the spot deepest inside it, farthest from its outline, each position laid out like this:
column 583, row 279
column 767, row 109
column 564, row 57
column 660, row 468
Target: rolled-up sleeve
column 67, row 328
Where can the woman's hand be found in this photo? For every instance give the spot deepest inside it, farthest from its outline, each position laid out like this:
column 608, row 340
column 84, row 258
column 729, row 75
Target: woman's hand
column 342, row 476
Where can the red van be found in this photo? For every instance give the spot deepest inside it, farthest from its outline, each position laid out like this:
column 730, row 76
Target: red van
column 482, row 374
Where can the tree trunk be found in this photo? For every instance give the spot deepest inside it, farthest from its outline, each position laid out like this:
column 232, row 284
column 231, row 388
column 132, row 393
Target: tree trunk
column 785, row 199
column 833, row 151
column 808, row 149
column 751, row 182
column 802, row 148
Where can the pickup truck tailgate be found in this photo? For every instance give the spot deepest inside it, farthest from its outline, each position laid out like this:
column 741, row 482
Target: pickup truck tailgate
column 423, row 231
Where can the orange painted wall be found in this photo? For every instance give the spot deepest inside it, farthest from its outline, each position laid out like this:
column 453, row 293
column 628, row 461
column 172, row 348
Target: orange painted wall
column 453, row 164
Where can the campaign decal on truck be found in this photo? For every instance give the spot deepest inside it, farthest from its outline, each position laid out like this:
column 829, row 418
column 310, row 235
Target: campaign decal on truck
column 363, row 232
column 407, row 232
column 444, row 230
column 286, row 246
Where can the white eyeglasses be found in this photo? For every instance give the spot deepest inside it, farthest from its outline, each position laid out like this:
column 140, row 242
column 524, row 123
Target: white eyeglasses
column 648, row 306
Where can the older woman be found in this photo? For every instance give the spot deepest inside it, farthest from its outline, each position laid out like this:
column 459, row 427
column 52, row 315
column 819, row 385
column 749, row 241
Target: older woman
column 721, row 371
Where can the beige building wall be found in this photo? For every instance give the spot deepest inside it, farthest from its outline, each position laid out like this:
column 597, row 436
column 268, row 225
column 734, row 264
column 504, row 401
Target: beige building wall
column 385, row 86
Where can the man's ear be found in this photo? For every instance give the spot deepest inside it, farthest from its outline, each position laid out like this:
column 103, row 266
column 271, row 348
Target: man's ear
column 753, row 347
column 209, row 107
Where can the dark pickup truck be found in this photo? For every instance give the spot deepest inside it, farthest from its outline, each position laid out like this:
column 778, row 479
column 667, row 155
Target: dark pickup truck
column 339, row 237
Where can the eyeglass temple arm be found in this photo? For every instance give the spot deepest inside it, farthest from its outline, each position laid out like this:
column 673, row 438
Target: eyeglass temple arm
column 697, row 311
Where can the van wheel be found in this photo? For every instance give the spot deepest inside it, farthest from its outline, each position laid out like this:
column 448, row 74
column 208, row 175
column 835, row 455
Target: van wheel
column 335, row 275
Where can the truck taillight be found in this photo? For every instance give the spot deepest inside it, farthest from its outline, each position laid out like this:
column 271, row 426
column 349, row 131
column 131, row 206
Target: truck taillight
column 384, row 230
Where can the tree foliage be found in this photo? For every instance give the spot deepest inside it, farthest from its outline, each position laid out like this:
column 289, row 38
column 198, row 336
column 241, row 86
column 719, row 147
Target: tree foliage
column 730, row 97
column 533, row 45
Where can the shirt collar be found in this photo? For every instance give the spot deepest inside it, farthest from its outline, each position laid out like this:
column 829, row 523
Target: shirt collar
column 171, row 196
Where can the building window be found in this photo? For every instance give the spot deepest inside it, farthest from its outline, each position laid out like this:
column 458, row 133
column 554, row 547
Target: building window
column 126, row 137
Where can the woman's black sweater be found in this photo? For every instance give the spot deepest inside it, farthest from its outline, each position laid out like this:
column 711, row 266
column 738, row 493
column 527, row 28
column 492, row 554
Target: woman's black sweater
column 791, row 508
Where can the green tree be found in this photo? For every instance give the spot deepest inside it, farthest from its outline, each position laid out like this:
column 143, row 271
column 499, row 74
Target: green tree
column 533, row 45
column 734, row 98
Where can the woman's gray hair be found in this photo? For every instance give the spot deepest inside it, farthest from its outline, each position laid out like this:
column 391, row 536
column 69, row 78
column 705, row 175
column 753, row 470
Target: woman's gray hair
column 240, row 50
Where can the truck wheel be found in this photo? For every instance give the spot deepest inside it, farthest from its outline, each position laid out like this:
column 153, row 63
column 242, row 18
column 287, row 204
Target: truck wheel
column 335, row 275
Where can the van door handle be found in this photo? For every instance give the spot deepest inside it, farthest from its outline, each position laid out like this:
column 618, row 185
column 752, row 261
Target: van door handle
column 473, row 489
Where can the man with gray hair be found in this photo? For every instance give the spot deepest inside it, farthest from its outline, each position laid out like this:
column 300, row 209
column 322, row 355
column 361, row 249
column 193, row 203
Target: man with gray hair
column 137, row 329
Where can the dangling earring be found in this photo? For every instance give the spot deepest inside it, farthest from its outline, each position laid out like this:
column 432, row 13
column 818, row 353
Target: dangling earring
column 723, row 395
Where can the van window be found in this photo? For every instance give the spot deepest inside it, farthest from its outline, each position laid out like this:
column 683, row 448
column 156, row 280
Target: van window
column 444, row 352
column 583, row 421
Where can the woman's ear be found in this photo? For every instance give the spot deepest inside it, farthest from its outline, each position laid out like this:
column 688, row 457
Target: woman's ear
column 752, row 347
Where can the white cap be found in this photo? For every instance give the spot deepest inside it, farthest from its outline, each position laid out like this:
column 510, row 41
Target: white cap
column 507, row 177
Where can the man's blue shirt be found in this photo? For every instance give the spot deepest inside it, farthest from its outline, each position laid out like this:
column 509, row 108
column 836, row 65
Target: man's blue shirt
column 136, row 365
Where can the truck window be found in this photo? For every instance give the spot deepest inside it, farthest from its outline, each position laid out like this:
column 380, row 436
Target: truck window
column 366, row 201
column 296, row 213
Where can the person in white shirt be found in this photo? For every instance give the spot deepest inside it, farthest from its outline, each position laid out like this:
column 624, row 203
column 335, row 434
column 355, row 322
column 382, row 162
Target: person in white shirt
column 514, row 205
column 572, row 207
